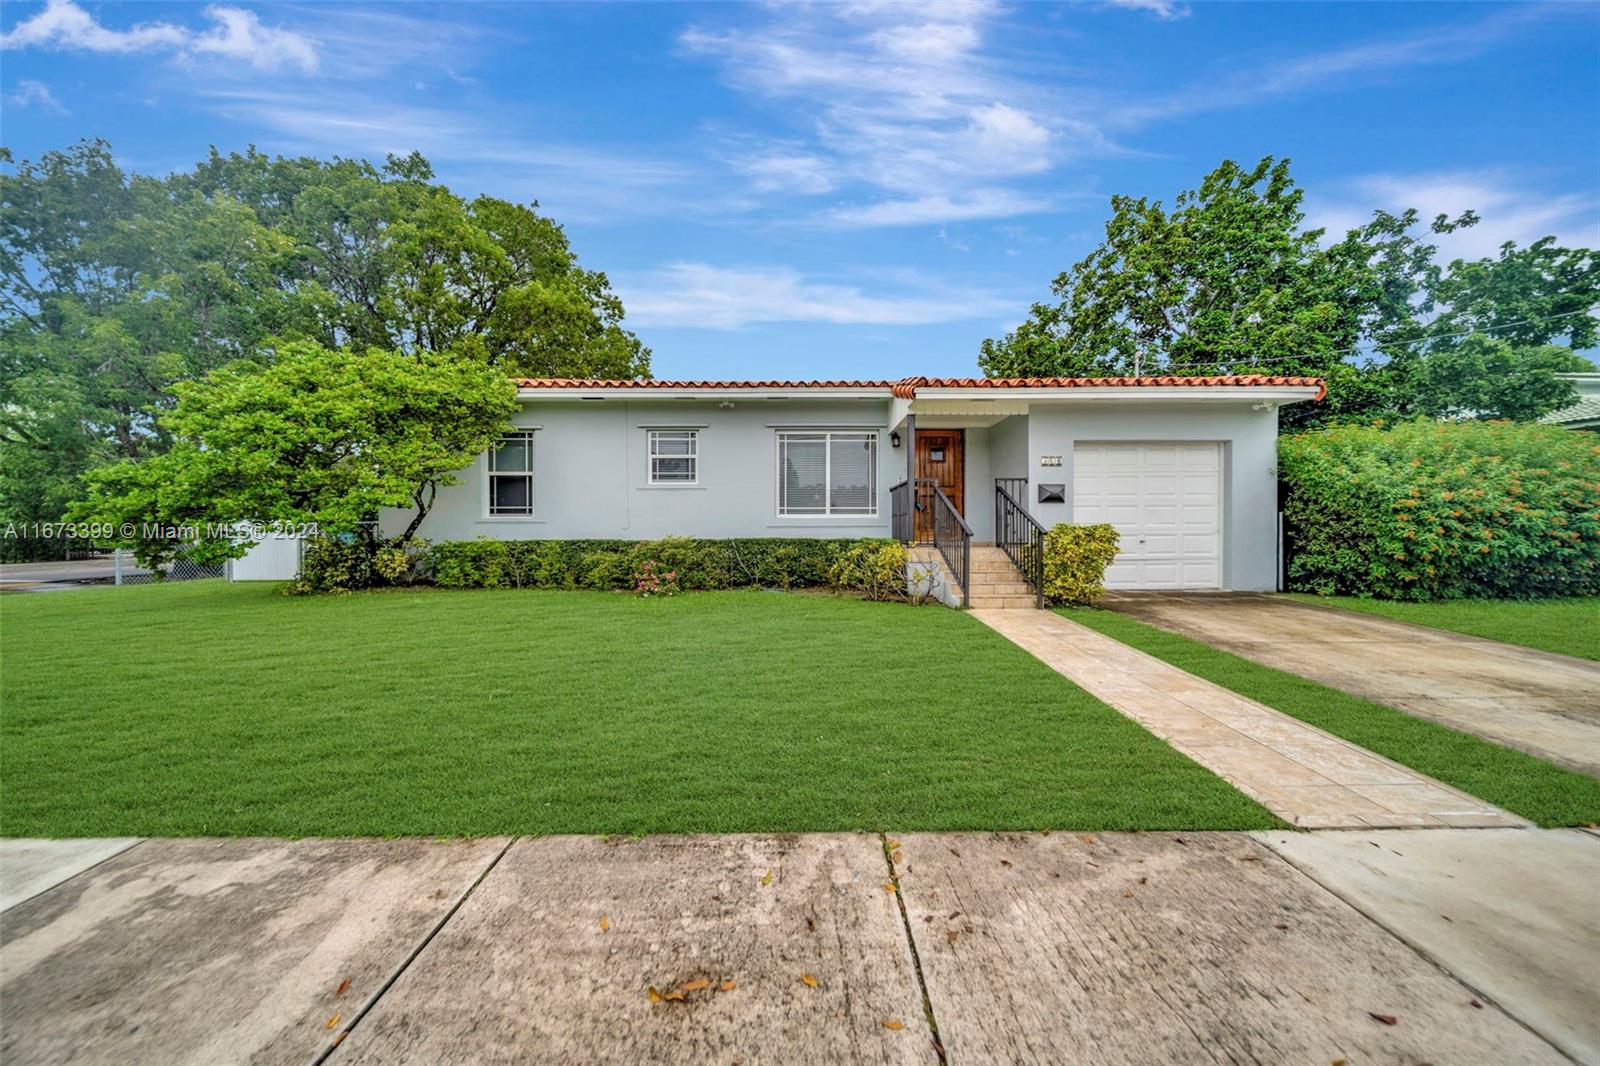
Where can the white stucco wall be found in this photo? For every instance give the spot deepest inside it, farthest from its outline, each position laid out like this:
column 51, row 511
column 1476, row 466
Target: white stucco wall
column 590, row 477
column 1249, row 457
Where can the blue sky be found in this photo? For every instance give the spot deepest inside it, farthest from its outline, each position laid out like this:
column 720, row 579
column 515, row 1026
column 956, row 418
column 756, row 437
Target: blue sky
column 847, row 190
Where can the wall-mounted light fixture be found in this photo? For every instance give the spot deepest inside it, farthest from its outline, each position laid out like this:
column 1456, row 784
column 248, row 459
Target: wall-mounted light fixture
column 894, row 439
column 726, row 404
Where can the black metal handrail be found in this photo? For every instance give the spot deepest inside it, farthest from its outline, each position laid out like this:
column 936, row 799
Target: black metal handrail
column 953, row 537
column 1018, row 534
column 902, row 515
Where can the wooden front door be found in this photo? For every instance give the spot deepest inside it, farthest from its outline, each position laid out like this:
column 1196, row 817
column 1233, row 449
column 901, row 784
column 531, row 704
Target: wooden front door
column 940, row 460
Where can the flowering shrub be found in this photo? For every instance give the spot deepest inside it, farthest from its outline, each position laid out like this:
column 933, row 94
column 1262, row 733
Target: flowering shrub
column 1429, row 510
column 876, row 569
column 653, row 580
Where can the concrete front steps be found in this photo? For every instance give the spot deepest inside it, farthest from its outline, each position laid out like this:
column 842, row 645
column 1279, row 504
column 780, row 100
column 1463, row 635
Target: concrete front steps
column 994, row 581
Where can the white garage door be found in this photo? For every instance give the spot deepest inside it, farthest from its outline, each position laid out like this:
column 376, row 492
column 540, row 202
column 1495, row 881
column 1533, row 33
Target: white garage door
column 1166, row 502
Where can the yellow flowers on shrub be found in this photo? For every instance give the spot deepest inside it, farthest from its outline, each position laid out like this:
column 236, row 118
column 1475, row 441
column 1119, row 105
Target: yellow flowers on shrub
column 1075, row 561
column 876, row 569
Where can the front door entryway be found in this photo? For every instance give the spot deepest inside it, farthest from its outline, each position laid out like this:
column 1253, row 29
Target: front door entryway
column 940, row 460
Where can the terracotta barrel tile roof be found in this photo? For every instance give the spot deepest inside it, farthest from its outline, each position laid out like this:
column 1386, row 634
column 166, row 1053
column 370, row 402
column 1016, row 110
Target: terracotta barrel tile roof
column 654, row 383
column 906, row 388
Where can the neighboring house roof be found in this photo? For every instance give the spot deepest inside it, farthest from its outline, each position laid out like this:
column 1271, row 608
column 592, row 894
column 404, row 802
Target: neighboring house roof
column 1585, row 414
column 906, row 388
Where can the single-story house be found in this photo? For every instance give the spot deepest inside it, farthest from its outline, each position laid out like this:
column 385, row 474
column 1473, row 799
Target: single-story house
column 1184, row 467
column 1585, row 414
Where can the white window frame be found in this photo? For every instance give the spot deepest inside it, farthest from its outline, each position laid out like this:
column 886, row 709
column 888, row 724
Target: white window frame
column 650, row 457
column 827, row 512
column 490, row 473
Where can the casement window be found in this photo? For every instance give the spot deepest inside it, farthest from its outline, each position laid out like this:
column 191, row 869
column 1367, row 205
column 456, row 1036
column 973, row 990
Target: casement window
column 827, row 473
column 511, row 475
column 674, row 456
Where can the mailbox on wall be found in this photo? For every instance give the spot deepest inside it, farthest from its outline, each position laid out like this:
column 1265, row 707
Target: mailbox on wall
column 1052, row 493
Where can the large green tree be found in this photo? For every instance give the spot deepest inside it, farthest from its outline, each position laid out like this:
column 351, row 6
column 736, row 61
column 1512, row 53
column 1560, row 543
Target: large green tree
column 116, row 287
column 318, row 436
column 1230, row 280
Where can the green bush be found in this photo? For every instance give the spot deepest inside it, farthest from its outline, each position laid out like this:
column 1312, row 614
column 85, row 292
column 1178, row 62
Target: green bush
column 1075, row 561
column 335, row 564
column 778, row 562
column 1435, row 511
column 876, row 569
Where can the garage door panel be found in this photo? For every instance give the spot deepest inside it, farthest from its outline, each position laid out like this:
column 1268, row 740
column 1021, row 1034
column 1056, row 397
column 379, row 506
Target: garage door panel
column 1164, row 499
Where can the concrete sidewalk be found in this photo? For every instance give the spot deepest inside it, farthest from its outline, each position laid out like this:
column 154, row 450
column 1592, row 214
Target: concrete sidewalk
column 1103, row 948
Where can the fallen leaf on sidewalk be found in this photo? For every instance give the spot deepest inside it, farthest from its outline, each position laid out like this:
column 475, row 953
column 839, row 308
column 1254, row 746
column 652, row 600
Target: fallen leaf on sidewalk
column 655, row 996
column 809, row 980
column 605, row 924
column 890, row 1023
column 895, row 857
column 332, row 1021
column 894, row 845
column 1087, row 839
column 729, row 985
column 888, row 886
column 1006, row 863
column 1386, row 1019
column 694, row 986
column 767, row 880
column 344, row 986
column 674, row 996
column 1474, row 1003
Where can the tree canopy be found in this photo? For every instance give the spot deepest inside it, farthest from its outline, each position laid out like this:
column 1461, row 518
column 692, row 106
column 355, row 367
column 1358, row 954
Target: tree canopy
column 318, row 436
column 117, row 287
column 1230, row 280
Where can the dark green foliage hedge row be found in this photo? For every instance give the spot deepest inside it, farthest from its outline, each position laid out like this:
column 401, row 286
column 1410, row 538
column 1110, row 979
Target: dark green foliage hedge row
column 780, row 562
column 1443, row 510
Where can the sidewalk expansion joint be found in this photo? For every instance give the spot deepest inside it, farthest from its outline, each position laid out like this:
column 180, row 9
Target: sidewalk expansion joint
column 916, row 958
column 405, row 963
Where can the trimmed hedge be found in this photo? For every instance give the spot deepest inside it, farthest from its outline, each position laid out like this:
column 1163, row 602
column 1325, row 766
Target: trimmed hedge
column 1075, row 561
column 780, row 562
column 1438, row 511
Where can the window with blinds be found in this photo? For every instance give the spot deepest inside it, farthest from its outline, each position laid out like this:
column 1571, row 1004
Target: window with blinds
column 826, row 473
column 511, row 475
column 674, row 456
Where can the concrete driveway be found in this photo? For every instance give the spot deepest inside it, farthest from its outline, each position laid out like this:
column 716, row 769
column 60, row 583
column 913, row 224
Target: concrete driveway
column 970, row 947
column 1544, row 704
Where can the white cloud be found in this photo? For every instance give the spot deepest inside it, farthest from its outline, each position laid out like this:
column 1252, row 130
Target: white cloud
column 905, row 110
column 1162, row 9
column 573, row 182
column 711, row 297
column 30, row 93
column 235, row 34
column 1512, row 208
column 1450, row 42
column 925, row 210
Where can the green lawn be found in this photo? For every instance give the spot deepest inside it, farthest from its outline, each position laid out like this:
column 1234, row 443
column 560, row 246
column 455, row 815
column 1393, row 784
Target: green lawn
column 1531, row 787
column 206, row 708
column 1568, row 626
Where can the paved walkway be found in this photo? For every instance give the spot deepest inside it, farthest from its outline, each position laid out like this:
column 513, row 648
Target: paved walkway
column 1545, row 704
column 1305, row 776
column 1105, row 948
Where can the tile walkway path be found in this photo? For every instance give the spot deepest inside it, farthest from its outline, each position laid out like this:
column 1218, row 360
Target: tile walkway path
column 1305, row 776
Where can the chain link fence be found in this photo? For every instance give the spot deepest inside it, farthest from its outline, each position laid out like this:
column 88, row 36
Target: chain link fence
column 125, row 571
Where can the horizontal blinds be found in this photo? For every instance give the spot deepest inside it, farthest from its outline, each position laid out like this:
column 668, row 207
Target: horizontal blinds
column 827, row 473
